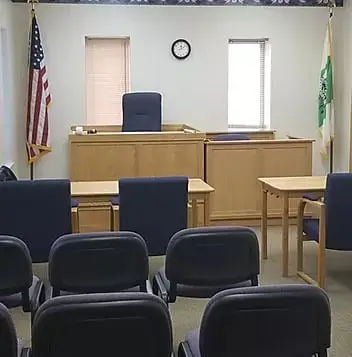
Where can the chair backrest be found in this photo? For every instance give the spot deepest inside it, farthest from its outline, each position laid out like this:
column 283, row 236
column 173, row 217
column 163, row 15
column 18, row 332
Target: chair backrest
column 37, row 212
column 275, row 321
column 6, row 174
column 8, row 339
column 338, row 199
column 141, row 111
column 155, row 208
column 212, row 256
column 98, row 262
column 231, row 137
column 91, row 325
column 16, row 273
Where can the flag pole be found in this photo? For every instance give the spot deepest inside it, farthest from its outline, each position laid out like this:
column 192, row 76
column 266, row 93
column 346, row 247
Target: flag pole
column 31, row 165
column 332, row 5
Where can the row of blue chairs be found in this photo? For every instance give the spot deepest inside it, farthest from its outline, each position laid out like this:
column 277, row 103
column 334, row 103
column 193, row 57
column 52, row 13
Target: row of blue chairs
column 199, row 263
column 40, row 211
column 50, row 203
column 275, row 321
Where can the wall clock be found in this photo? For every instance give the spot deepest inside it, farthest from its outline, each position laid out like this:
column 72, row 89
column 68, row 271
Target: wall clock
column 181, row 49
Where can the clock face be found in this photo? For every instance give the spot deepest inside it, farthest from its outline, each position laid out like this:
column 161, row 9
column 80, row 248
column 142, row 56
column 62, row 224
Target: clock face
column 181, row 49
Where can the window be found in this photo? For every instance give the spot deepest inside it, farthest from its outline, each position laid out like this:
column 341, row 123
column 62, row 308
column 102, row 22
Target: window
column 248, row 84
column 107, row 79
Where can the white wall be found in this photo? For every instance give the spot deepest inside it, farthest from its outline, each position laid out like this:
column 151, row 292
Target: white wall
column 8, row 153
column 343, row 88
column 194, row 91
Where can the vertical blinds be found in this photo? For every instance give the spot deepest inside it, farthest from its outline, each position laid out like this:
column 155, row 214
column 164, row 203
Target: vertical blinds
column 107, row 79
column 262, row 83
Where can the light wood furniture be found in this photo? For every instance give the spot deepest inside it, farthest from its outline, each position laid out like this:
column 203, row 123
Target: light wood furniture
column 321, row 244
column 252, row 134
column 95, row 202
column 233, row 169
column 75, row 220
column 286, row 188
column 109, row 155
column 118, row 128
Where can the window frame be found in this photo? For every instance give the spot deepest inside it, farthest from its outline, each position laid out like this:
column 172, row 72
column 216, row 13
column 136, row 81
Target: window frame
column 264, row 74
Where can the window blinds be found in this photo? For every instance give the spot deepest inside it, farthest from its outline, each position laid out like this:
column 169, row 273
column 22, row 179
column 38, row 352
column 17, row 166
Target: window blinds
column 247, row 83
column 107, row 79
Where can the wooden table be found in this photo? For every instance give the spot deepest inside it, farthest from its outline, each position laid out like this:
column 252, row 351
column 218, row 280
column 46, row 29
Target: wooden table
column 286, row 188
column 105, row 190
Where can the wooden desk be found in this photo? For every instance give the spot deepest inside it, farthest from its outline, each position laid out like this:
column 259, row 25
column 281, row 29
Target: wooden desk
column 286, row 188
column 233, row 168
column 110, row 155
column 95, row 202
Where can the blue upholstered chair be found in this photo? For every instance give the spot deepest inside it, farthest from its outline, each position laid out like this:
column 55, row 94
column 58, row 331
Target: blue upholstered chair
column 6, row 174
column 98, row 263
column 18, row 285
column 10, row 346
column 92, row 325
column 141, row 111
column 333, row 228
column 231, row 137
column 275, row 321
column 154, row 207
column 312, row 197
column 37, row 212
column 74, row 203
column 200, row 262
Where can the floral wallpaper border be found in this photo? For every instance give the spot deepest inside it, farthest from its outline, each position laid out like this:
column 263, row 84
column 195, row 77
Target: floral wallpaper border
column 314, row 3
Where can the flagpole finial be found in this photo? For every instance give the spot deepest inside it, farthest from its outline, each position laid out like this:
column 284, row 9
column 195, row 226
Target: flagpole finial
column 32, row 3
column 332, row 5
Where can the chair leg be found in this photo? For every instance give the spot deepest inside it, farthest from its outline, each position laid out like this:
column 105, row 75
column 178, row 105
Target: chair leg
column 114, row 219
column 112, row 225
column 299, row 245
column 183, row 350
column 254, row 280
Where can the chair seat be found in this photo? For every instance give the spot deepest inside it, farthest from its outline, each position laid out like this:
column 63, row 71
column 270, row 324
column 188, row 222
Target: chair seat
column 74, row 203
column 15, row 300
column 312, row 196
column 115, row 201
column 311, row 228
column 135, row 289
column 192, row 342
column 199, row 291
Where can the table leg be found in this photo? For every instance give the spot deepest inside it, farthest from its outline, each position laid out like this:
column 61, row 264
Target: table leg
column 322, row 252
column 285, row 235
column 206, row 210
column 264, row 224
column 194, row 213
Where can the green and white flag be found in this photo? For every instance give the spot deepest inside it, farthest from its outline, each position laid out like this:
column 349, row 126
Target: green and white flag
column 326, row 95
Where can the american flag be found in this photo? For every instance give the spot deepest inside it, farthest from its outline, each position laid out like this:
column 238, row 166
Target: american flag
column 38, row 134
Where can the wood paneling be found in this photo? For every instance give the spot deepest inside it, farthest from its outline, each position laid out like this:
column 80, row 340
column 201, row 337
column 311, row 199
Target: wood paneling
column 108, row 156
column 233, row 168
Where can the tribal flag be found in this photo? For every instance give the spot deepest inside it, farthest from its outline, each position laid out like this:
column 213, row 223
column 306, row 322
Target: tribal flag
column 38, row 134
column 326, row 95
